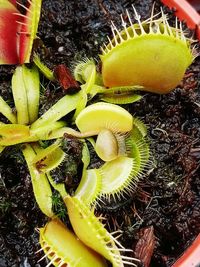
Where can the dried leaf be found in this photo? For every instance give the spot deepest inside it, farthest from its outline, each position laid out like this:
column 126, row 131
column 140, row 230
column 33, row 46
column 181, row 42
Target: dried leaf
column 145, row 245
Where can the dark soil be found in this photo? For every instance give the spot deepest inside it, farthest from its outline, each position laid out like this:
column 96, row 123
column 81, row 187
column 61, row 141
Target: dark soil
column 165, row 209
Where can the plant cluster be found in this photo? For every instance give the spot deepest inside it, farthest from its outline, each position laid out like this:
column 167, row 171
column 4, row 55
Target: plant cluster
column 149, row 56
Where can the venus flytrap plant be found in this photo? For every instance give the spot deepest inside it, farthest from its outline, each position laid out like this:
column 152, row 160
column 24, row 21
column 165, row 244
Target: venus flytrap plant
column 118, row 121
column 148, row 55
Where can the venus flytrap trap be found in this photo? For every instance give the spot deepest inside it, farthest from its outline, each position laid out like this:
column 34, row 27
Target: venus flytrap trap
column 137, row 147
column 29, row 27
column 103, row 115
column 49, row 158
column 150, row 54
column 8, row 47
column 91, row 232
column 119, row 176
column 63, row 248
column 121, row 98
column 16, row 47
column 89, row 186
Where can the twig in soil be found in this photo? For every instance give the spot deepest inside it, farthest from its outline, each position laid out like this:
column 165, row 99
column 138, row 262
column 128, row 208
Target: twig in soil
column 145, row 245
column 187, row 178
column 104, row 9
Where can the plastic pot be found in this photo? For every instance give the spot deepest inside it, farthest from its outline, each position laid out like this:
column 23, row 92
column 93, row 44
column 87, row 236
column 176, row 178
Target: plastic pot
column 189, row 12
column 191, row 257
column 186, row 11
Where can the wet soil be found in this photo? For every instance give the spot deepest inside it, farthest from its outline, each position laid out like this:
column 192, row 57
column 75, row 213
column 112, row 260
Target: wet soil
column 164, row 211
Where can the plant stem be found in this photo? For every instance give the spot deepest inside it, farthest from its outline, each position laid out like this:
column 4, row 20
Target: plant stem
column 7, row 111
column 43, row 68
column 41, row 186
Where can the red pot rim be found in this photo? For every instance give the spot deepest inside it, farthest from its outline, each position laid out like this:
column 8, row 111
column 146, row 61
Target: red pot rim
column 185, row 12
column 191, row 257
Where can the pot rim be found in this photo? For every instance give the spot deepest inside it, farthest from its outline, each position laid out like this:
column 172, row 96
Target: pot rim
column 191, row 256
column 185, row 12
